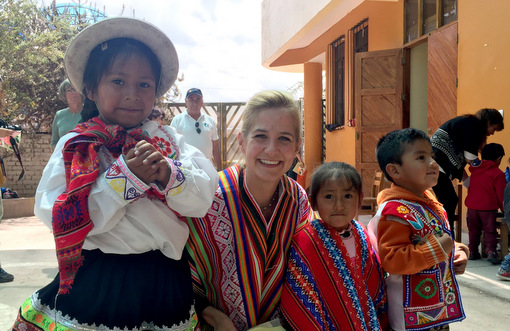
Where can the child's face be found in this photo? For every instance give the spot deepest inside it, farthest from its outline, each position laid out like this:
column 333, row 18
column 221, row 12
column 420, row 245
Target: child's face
column 419, row 171
column 338, row 202
column 125, row 95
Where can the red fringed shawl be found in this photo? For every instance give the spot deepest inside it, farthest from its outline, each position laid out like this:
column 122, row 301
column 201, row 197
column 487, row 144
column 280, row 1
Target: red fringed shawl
column 71, row 220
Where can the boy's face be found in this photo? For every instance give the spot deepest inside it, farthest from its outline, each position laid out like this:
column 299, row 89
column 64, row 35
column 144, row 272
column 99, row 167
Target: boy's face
column 419, row 171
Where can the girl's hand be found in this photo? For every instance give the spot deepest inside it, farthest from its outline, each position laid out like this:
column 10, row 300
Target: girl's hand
column 148, row 164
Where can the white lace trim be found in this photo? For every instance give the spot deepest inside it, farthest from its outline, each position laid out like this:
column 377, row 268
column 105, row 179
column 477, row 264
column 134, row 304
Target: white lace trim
column 75, row 325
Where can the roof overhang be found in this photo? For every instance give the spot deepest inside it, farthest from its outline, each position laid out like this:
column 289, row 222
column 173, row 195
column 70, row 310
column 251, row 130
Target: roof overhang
column 286, row 48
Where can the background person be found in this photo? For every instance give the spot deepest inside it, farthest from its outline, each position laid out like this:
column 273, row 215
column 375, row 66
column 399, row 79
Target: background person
column 484, row 198
column 4, row 275
column 504, row 270
column 199, row 129
column 457, row 143
column 66, row 119
column 240, row 247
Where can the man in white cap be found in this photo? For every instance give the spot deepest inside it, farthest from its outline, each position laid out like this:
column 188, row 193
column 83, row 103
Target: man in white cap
column 199, row 129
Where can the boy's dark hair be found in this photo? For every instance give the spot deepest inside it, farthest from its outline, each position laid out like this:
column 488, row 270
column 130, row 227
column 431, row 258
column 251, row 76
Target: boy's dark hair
column 100, row 61
column 492, row 152
column 392, row 146
column 333, row 170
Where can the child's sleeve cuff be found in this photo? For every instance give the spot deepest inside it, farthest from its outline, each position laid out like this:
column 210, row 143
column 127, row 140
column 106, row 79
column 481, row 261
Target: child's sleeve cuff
column 434, row 253
column 123, row 182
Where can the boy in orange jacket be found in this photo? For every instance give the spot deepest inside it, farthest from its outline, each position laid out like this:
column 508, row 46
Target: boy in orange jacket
column 413, row 237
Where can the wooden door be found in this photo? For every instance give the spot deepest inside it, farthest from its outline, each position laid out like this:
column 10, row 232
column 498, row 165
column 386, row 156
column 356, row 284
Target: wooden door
column 442, row 77
column 379, row 90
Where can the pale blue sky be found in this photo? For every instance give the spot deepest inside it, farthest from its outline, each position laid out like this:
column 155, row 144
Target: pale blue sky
column 218, row 43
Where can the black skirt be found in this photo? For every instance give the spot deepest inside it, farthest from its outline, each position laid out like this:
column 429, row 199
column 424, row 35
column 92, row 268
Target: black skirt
column 139, row 291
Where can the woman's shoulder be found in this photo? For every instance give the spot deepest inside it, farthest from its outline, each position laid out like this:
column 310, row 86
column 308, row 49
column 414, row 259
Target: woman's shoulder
column 62, row 112
column 463, row 121
column 464, row 124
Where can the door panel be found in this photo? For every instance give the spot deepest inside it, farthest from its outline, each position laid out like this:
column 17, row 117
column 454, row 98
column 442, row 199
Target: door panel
column 379, row 86
column 442, row 77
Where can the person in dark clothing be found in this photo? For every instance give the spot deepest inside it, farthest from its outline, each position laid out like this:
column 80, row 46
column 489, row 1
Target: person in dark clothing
column 457, row 143
column 5, row 277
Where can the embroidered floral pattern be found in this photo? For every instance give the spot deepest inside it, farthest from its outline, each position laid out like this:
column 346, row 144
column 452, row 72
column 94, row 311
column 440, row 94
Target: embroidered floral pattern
column 433, row 291
column 426, row 288
column 403, row 210
column 411, row 319
column 163, row 145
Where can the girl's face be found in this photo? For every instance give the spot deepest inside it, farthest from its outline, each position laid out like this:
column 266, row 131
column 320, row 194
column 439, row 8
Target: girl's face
column 269, row 147
column 125, row 95
column 338, row 201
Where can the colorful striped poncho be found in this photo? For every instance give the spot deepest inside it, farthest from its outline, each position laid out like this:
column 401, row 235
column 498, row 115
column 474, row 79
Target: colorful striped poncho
column 327, row 290
column 239, row 260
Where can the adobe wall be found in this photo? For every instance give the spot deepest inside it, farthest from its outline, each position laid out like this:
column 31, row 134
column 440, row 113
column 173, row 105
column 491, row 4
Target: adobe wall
column 35, row 152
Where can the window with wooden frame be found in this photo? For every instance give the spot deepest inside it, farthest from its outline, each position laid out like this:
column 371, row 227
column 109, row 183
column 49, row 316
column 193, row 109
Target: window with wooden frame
column 335, row 116
column 359, row 43
column 340, row 75
column 424, row 16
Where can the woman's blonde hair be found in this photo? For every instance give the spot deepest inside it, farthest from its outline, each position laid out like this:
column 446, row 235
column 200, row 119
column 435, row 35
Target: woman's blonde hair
column 267, row 100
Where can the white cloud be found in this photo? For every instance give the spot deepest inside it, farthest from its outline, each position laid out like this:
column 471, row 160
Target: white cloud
column 218, row 42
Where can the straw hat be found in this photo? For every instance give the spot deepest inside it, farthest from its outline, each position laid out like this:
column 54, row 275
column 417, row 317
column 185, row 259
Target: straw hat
column 78, row 51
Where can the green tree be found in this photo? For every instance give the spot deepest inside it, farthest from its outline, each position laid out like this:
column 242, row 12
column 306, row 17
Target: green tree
column 33, row 42
column 32, row 47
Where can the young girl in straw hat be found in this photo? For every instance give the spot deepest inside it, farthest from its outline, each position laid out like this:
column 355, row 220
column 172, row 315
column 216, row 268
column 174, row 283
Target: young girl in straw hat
column 112, row 191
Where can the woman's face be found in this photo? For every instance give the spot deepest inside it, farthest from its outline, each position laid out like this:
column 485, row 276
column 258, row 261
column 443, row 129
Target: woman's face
column 73, row 97
column 270, row 146
column 491, row 128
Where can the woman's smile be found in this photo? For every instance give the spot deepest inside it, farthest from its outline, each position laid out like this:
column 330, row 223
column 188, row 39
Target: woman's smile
column 269, row 162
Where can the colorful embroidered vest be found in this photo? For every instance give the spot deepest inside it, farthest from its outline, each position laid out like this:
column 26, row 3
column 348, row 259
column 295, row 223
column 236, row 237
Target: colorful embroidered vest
column 431, row 298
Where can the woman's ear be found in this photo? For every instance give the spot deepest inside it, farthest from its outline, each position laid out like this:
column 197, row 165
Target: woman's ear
column 240, row 140
column 299, row 144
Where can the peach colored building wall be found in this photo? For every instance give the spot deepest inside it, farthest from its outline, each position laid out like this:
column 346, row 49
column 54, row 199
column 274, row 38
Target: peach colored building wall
column 484, row 65
column 385, row 31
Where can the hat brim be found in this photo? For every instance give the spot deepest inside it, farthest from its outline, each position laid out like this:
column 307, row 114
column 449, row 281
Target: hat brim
column 78, row 51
